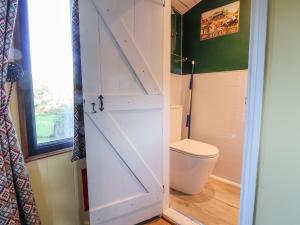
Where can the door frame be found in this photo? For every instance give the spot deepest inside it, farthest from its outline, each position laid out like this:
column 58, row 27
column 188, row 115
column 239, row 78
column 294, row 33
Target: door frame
column 256, row 71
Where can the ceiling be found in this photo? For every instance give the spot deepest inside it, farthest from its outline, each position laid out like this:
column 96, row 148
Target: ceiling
column 182, row 6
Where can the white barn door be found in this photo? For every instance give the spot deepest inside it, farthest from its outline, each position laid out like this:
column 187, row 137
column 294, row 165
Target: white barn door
column 122, row 65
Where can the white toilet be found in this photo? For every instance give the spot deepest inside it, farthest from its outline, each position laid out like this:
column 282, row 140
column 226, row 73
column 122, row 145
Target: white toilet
column 191, row 162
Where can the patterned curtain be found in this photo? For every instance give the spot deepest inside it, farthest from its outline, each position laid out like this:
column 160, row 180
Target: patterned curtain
column 17, row 205
column 79, row 136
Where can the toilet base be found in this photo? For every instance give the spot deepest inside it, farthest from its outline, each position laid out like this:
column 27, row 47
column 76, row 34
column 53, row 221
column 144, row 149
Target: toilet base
column 189, row 174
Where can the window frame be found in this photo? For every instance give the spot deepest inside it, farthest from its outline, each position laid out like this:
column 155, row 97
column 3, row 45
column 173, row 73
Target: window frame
column 25, row 87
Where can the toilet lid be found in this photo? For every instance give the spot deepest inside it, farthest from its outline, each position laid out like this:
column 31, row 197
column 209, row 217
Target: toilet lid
column 195, row 148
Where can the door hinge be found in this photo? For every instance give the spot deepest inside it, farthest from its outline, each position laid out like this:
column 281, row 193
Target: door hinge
column 163, row 188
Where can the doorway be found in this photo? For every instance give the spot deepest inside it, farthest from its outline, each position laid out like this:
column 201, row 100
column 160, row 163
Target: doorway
column 250, row 146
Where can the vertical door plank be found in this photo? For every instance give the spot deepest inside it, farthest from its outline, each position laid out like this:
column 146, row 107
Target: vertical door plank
column 110, row 12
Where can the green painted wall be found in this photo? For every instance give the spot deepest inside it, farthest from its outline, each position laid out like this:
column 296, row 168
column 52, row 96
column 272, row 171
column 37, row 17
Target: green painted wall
column 176, row 43
column 278, row 197
column 224, row 53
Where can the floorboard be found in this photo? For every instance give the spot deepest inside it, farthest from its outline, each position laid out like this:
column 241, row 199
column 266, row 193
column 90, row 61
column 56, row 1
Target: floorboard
column 218, row 204
column 158, row 222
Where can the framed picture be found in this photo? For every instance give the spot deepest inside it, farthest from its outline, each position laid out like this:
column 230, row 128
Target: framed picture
column 220, row 21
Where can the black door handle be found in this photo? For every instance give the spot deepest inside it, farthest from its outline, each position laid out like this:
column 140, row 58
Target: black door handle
column 93, row 108
column 101, row 102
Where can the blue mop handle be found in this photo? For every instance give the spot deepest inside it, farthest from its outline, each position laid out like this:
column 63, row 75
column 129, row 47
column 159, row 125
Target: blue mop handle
column 189, row 117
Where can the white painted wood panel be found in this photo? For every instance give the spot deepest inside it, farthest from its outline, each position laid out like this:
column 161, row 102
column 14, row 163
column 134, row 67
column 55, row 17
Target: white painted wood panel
column 125, row 102
column 123, row 61
column 135, row 124
column 90, row 53
column 110, row 11
column 150, row 24
column 116, row 74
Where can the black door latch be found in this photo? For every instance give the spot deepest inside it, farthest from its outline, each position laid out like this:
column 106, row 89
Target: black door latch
column 93, row 108
column 101, row 102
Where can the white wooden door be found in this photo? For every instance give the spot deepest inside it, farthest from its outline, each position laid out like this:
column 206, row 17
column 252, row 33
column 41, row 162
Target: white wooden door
column 122, row 60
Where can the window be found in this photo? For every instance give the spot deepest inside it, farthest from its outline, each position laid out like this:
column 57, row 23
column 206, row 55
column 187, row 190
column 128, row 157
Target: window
column 48, row 65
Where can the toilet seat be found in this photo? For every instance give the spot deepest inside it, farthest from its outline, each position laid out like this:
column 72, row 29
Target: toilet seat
column 195, row 148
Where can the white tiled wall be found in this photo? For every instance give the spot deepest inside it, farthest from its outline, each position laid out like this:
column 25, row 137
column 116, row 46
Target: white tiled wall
column 176, row 89
column 218, row 115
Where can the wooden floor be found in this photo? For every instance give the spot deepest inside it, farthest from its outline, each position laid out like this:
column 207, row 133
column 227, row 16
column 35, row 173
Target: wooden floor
column 218, row 204
column 158, row 222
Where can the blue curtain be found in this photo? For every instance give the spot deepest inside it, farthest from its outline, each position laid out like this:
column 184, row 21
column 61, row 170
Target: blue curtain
column 17, row 204
column 79, row 136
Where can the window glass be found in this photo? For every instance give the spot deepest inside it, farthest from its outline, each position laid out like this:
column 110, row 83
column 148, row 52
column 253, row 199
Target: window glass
column 52, row 68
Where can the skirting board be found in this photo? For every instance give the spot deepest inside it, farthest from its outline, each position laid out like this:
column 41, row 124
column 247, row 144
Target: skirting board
column 226, row 181
column 178, row 218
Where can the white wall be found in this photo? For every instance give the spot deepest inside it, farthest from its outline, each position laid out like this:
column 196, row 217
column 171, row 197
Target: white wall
column 218, row 115
column 176, row 89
